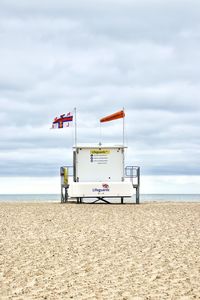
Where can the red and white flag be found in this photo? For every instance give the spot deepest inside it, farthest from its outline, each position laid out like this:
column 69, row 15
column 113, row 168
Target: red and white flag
column 63, row 121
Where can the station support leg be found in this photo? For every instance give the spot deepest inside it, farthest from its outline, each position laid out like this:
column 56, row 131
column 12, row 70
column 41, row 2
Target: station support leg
column 122, row 200
column 62, row 196
column 66, row 194
column 137, row 195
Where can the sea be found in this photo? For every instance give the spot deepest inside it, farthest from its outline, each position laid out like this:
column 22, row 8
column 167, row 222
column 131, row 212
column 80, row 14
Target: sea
column 143, row 198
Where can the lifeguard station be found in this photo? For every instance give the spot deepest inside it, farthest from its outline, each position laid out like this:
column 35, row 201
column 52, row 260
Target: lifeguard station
column 98, row 172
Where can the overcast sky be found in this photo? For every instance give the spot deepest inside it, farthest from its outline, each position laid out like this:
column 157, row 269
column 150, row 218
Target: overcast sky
column 100, row 56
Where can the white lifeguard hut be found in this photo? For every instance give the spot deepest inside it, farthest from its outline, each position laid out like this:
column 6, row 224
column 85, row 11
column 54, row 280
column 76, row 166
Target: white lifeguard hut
column 99, row 172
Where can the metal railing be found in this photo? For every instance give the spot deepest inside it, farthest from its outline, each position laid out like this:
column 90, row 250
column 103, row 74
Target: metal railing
column 130, row 171
column 133, row 172
column 69, row 168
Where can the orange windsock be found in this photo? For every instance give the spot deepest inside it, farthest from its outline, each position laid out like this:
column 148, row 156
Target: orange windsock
column 118, row 115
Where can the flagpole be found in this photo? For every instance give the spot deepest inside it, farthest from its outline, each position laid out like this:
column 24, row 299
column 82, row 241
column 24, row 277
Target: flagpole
column 100, row 134
column 123, row 145
column 75, row 128
column 123, row 128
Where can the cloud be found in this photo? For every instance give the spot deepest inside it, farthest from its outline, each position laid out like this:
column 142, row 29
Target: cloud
column 100, row 57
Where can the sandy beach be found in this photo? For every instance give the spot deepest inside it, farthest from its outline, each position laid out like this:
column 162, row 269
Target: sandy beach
column 55, row 251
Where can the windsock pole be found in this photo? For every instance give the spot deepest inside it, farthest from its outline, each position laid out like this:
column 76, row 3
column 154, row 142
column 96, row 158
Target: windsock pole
column 123, row 144
column 75, row 128
column 123, row 127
